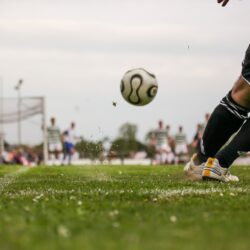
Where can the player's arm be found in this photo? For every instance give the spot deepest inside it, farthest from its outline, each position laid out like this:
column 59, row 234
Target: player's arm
column 224, row 2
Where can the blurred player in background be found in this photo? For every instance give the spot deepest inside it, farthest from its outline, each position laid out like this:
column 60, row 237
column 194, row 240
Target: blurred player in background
column 159, row 139
column 181, row 149
column 228, row 118
column 195, row 144
column 168, row 129
column 69, row 140
column 54, row 141
column 204, row 124
column 170, row 138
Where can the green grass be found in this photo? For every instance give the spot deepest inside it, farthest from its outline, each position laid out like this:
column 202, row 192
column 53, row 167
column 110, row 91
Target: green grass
column 121, row 207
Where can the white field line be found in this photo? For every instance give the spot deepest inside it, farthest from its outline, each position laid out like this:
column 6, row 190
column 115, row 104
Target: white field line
column 8, row 179
column 161, row 194
column 233, row 191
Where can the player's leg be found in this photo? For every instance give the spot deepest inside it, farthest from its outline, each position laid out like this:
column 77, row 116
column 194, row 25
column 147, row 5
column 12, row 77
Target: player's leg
column 157, row 158
column 229, row 116
column 164, row 158
column 52, row 153
column 65, row 152
column 168, row 155
column 226, row 119
column 71, row 151
column 217, row 168
column 177, row 153
column 240, row 144
column 170, row 158
column 157, row 155
column 161, row 154
column 183, row 156
column 58, row 152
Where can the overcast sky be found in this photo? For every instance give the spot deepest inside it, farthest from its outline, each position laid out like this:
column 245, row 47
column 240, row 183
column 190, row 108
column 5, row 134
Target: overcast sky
column 74, row 52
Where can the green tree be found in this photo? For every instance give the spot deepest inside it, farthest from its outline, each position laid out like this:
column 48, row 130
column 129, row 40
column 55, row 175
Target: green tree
column 128, row 132
column 89, row 149
column 126, row 143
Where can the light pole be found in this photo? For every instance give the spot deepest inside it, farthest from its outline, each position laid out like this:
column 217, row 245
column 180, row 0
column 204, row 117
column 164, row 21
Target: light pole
column 19, row 100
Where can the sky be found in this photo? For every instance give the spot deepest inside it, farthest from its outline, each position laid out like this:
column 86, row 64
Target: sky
column 75, row 52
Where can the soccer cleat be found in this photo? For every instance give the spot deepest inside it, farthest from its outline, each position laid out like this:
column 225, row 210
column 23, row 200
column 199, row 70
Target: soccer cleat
column 192, row 171
column 213, row 171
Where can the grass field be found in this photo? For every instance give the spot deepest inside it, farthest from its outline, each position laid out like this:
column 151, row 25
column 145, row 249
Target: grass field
column 121, row 207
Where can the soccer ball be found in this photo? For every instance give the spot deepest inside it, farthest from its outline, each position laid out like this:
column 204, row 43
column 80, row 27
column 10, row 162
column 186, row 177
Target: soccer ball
column 139, row 87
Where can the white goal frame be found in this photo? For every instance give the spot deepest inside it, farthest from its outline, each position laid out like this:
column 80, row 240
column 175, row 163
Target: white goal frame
column 16, row 117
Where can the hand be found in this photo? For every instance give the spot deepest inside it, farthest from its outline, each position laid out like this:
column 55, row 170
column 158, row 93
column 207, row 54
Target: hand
column 224, row 2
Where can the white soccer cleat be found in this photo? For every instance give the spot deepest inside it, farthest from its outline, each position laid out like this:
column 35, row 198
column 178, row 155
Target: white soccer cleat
column 192, row 171
column 213, row 171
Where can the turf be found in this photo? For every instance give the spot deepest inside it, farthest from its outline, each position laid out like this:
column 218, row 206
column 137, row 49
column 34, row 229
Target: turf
column 121, row 207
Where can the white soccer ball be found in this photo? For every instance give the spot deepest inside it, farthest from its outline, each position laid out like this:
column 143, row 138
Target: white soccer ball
column 139, row 87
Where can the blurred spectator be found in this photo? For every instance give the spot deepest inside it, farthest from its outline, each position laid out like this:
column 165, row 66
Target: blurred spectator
column 15, row 156
column 21, row 156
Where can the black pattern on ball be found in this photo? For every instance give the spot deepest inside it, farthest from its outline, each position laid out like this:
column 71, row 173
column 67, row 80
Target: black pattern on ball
column 152, row 91
column 137, row 90
column 122, row 86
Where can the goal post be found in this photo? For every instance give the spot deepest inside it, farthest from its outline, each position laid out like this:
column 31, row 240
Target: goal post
column 15, row 115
